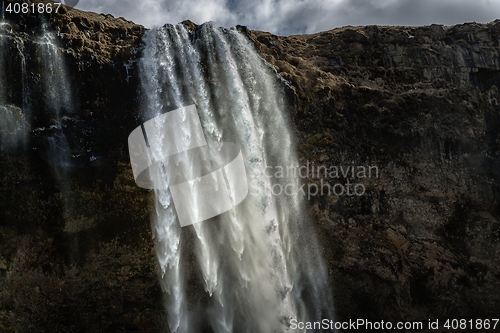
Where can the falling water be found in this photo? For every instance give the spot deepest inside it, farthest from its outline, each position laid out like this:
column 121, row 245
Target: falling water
column 4, row 32
column 55, row 84
column 56, row 91
column 259, row 263
column 56, row 80
column 57, row 95
column 14, row 126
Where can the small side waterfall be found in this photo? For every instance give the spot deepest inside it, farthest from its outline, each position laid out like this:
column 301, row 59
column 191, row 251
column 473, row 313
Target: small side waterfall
column 260, row 263
column 18, row 87
column 14, row 126
column 3, row 45
column 56, row 87
column 56, row 82
column 57, row 92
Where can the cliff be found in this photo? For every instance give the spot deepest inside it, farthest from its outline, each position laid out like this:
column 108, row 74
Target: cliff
column 421, row 104
column 418, row 103
column 76, row 252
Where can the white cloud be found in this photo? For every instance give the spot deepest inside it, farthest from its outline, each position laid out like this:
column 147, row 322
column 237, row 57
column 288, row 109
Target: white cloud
column 299, row 16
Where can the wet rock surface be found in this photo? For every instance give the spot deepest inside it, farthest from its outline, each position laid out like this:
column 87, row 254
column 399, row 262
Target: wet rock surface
column 418, row 103
column 76, row 252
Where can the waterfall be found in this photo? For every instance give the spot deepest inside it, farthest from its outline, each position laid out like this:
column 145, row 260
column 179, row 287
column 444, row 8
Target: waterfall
column 57, row 90
column 260, row 263
column 15, row 95
column 56, row 82
column 14, row 127
column 4, row 32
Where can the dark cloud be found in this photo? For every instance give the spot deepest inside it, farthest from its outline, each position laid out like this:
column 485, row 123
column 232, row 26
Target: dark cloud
column 299, row 16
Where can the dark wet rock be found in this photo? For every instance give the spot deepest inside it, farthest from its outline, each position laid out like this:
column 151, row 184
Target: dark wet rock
column 421, row 104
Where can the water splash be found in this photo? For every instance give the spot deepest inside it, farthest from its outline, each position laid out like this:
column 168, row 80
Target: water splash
column 259, row 263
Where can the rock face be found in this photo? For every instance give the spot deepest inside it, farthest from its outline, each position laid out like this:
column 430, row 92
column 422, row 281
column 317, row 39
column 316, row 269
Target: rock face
column 419, row 105
column 76, row 253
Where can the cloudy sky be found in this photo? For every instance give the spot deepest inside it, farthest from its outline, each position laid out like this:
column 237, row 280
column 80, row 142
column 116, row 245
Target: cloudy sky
column 287, row 17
